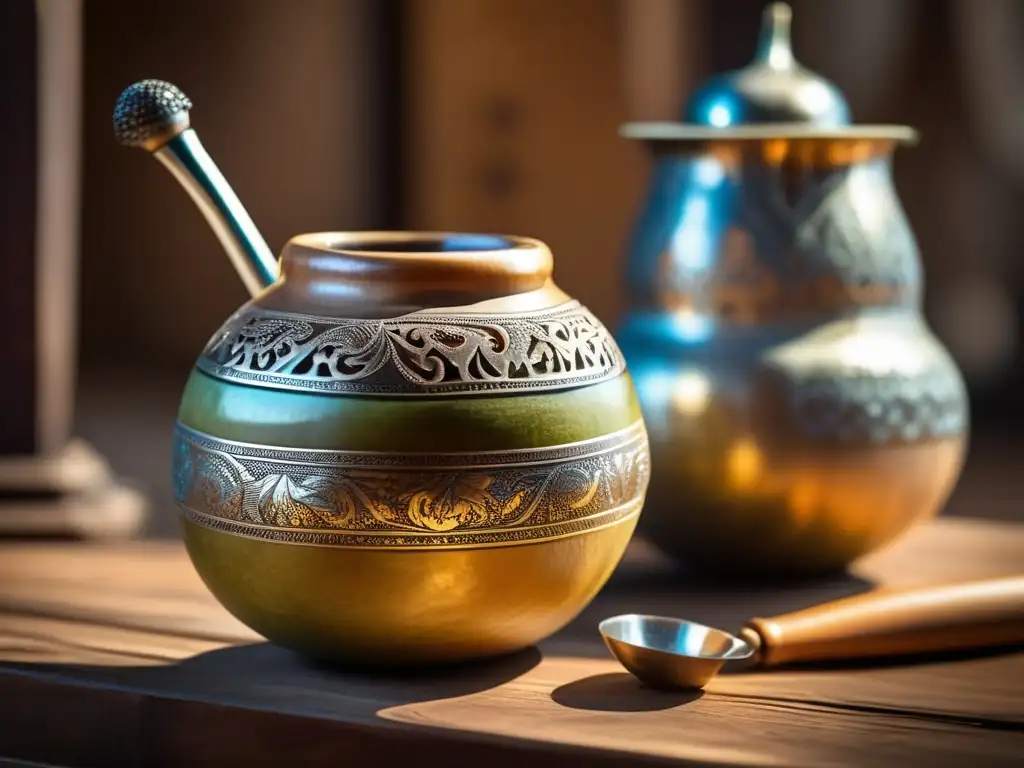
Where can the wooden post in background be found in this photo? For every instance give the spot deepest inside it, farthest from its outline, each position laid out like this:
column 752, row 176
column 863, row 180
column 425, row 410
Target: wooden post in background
column 662, row 56
column 511, row 126
column 50, row 483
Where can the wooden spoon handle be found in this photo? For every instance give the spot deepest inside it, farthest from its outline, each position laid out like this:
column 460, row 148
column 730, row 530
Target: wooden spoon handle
column 891, row 623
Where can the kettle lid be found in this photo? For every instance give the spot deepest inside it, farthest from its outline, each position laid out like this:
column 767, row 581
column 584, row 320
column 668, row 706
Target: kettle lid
column 773, row 88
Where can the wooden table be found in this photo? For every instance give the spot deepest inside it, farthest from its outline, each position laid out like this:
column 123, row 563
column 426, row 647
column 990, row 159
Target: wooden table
column 117, row 655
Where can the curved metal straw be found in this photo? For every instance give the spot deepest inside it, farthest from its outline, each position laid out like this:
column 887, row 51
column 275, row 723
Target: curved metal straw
column 154, row 115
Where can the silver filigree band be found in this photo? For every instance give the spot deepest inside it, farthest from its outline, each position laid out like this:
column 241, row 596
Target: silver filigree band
column 378, row 500
column 418, row 353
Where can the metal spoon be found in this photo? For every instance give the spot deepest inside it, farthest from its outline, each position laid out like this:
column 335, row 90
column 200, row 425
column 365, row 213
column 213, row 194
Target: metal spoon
column 674, row 653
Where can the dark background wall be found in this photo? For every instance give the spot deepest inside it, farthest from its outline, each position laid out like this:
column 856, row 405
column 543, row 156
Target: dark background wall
column 288, row 100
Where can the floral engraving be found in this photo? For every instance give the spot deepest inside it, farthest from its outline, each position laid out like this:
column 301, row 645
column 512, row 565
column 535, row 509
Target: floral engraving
column 414, row 353
column 337, row 497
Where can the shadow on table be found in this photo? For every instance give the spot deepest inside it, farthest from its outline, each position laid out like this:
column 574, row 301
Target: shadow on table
column 619, row 692
column 262, row 675
column 266, row 672
column 236, row 705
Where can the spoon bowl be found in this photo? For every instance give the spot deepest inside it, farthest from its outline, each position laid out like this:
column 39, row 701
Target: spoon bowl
column 671, row 653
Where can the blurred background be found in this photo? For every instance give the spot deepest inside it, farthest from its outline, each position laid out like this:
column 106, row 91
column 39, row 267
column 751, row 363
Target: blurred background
column 496, row 116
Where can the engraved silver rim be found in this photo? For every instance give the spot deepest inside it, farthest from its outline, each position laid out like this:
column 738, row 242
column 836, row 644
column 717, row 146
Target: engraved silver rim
column 420, row 353
column 332, row 457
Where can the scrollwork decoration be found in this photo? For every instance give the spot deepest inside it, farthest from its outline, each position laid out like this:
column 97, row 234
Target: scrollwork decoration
column 356, row 499
column 416, row 353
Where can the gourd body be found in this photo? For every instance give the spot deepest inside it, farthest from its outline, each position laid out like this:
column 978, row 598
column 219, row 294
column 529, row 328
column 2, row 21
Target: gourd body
column 413, row 449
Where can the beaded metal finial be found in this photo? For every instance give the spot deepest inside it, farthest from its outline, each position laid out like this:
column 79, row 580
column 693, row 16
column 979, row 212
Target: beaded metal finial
column 149, row 114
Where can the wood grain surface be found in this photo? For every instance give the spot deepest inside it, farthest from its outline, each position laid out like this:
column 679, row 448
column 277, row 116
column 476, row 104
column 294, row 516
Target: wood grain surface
column 117, row 655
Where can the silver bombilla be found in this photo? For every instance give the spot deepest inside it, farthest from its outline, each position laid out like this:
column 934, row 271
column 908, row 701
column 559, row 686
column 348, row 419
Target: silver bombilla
column 153, row 115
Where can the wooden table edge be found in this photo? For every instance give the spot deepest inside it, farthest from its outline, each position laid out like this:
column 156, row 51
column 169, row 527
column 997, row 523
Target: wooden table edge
column 156, row 733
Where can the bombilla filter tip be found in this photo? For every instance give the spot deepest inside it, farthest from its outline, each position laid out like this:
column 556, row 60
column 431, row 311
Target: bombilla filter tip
column 150, row 113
